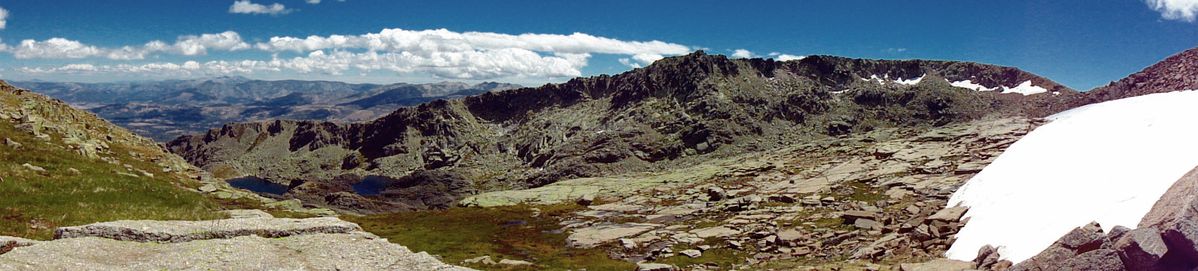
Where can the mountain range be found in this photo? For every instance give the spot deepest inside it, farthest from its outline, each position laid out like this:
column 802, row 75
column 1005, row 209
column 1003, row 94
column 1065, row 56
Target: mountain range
column 167, row 109
column 679, row 111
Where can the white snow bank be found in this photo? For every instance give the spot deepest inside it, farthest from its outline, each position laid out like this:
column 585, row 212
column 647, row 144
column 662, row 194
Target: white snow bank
column 874, row 77
column 1106, row 162
column 1026, row 88
column 969, row 84
column 910, row 82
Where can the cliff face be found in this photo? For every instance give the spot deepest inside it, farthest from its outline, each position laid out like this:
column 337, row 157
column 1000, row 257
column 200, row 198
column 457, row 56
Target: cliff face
column 678, row 111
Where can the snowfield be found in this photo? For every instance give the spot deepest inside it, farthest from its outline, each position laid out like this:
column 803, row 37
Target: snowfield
column 1026, row 88
column 1107, row 162
column 969, row 84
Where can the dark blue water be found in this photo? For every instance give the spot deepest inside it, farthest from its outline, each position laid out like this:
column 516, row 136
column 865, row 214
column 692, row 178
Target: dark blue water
column 372, row 185
column 258, row 185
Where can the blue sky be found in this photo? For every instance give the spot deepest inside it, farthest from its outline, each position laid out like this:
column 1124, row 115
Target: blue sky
column 1082, row 44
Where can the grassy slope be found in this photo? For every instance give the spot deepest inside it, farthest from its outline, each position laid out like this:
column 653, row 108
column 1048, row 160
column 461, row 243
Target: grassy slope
column 33, row 203
column 510, row 232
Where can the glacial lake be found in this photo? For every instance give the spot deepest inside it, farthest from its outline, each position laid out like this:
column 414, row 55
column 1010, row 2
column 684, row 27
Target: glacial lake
column 258, row 185
column 372, row 185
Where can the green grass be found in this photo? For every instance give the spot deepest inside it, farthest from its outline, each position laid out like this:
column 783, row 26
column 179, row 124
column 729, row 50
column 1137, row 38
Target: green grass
column 510, row 232
column 32, row 204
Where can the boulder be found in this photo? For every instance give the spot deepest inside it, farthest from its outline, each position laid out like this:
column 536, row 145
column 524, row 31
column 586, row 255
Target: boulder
column 11, row 143
column 949, row 214
column 852, row 216
column 790, row 237
column 1175, row 214
column 480, row 260
column 937, row 265
column 1083, row 239
column 693, row 253
column 868, row 224
column 655, row 267
column 715, row 193
column 33, row 168
column 1141, row 249
column 717, row 232
column 593, row 236
column 1095, row 260
column 510, row 262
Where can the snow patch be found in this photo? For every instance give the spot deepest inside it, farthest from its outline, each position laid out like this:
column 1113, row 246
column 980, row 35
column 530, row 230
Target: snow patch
column 1026, row 88
column 886, row 79
column 910, row 82
column 969, row 84
column 875, row 78
column 1107, row 162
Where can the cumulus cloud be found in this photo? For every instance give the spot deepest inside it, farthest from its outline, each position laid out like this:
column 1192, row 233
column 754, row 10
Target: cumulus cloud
column 1183, row 10
column 445, row 40
column 58, row 48
column 440, row 53
column 474, row 55
column 466, row 65
column 313, row 2
column 3, row 17
column 741, row 53
column 247, row 7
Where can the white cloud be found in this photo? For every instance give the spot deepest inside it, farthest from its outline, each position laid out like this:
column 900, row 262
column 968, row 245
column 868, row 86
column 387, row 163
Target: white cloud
column 3, row 17
column 788, row 57
column 1183, row 10
column 247, row 7
column 54, row 48
column 442, row 40
column 439, row 53
column 199, row 45
column 185, row 45
column 451, row 65
column 1178, row 10
column 741, row 53
column 313, row 2
column 628, row 62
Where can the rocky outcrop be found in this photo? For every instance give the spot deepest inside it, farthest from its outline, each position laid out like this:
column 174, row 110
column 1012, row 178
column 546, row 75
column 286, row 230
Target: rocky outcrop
column 252, row 243
column 680, row 111
column 1171, row 74
column 1166, row 239
column 186, row 231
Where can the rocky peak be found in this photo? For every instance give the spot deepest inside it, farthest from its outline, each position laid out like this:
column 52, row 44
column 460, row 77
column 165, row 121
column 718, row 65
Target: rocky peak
column 1177, row 72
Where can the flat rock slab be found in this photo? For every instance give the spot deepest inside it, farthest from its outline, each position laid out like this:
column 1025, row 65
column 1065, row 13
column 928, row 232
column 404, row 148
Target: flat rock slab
column 186, row 231
column 593, row 236
column 302, row 252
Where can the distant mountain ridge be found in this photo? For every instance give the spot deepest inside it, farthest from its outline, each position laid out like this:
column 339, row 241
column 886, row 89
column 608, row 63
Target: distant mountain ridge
column 167, row 109
column 680, row 110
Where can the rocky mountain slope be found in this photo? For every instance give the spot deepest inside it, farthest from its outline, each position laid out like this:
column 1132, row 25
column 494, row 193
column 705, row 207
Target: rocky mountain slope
column 62, row 166
column 877, row 197
column 678, row 111
column 251, row 240
column 167, row 109
column 1171, row 74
